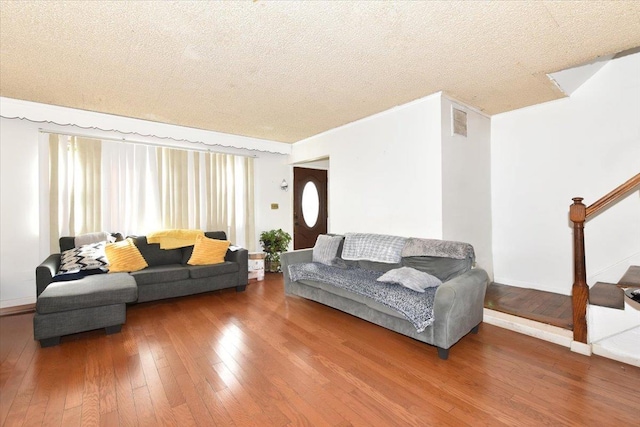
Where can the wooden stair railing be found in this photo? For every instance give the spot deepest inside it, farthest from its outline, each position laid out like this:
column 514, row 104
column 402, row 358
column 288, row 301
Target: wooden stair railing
column 579, row 214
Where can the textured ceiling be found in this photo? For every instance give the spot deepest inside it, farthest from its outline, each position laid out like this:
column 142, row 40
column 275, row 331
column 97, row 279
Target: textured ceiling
column 288, row 70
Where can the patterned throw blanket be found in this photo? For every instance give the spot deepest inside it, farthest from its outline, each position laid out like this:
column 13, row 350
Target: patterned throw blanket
column 415, row 306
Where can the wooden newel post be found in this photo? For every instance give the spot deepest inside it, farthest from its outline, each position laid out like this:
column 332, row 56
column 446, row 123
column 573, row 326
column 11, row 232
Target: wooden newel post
column 580, row 289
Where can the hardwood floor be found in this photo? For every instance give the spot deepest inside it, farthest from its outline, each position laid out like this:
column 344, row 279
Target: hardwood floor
column 545, row 307
column 260, row 358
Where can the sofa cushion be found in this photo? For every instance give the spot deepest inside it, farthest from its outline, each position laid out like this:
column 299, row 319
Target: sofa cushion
column 160, row 274
column 375, row 266
column 348, row 295
column 208, row 251
column 443, row 268
column 200, row 271
column 124, row 256
column 91, row 291
column 187, row 251
column 154, row 255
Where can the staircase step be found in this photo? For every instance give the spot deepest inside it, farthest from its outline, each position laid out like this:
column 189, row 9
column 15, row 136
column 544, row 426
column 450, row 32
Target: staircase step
column 607, row 295
column 631, row 277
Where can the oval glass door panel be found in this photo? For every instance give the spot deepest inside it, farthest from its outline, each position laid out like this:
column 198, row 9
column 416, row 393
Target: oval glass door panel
column 310, row 204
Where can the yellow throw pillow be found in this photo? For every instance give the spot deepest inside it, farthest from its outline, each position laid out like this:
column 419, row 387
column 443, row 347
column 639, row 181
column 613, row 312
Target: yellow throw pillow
column 124, row 256
column 208, row 251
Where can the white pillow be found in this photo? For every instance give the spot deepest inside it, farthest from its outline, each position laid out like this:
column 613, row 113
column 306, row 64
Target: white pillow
column 410, row 278
column 326, row 249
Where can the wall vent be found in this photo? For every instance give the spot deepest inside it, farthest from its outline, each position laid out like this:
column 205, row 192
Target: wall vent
column 458, row 122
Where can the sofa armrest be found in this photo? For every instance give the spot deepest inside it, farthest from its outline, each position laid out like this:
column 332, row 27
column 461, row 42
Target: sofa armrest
column 45, row 272
column 293, row 257
column 459, row 306
column 241, row 256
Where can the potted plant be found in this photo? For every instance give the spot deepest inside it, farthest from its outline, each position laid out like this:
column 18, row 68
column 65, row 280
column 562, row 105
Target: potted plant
column 274, row 242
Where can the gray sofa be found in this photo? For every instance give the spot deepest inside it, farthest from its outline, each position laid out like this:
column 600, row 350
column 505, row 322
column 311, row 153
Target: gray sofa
column 99, row 301
column 457, row 309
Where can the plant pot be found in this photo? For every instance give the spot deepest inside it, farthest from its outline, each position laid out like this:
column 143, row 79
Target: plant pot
column 272, row 266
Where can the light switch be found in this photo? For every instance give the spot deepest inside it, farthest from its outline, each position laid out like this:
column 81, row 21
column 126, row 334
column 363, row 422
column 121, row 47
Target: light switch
column 274, row 206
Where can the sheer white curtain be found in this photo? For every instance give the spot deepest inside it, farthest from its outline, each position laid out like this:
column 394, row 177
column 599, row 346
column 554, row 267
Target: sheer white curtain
column 228, row 182
column 131, row 188
column 141, row 188
column 75, row 186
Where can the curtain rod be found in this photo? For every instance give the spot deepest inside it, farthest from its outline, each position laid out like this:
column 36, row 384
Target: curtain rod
column 208, row 147
column 151, row 144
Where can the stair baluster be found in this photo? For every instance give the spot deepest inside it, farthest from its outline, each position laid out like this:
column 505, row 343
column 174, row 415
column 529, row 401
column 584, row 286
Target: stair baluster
column 579, row 214
column 580, row 289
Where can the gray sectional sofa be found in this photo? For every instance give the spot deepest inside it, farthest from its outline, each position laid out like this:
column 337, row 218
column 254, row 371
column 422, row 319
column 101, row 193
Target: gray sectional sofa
column 457, row 304
column 99, row 301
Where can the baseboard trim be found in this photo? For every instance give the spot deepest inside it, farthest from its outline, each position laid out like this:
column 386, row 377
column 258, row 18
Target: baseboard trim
column 528, row 327
column 17, row 309
column 581, row 348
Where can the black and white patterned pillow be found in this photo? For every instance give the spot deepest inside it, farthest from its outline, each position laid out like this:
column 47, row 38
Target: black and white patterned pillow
column 85, row 257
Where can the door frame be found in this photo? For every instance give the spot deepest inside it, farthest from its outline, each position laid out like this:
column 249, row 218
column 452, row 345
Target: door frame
column 318, row 164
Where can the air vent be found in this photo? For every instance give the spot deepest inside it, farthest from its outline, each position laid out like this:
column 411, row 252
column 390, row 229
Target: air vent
column 458, row 122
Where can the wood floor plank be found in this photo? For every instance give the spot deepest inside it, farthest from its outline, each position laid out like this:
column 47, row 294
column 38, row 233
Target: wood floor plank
column 198, row 409
column 72, row 417
column 107, row 385
column 214, row 405
column 171, row 388
column 92, row 378
column 156, row 392
column 56, row 399
column 35, row 413
column 126, row 411
column 265, row 359
column 145, row 411
column 109, row 419
column 183, row 413
column 26, row 383
column 76, row 357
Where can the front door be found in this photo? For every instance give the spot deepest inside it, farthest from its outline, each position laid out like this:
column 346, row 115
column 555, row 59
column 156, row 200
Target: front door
column 309, row 206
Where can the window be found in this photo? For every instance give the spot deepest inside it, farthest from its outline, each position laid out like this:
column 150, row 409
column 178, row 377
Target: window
column 104, row 185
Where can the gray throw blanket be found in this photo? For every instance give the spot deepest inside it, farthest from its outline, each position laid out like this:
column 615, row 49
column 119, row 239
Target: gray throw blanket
column 86, row 239
column 415, row 306
column 373, row 247
column 437, row 248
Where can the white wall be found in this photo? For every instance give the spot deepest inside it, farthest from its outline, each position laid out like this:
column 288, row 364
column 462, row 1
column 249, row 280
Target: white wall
column 24, row 238
column 466, row 183
column 402, row 172
column 19, row 213
column 544, row 155
column 385, row 171
column 270, row 170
